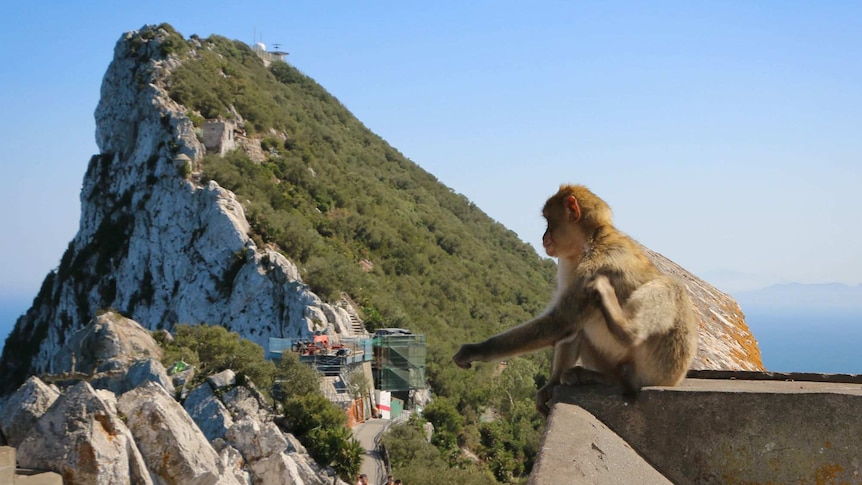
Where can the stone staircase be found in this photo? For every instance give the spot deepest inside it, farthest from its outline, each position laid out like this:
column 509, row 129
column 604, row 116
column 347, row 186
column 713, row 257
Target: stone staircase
column 10, row 474
column 356, row 325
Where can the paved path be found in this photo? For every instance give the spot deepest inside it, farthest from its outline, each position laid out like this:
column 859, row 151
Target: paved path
column 372, row 465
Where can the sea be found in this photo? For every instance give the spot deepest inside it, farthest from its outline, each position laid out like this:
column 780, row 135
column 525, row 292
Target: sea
column 808, row 340
column 800, row 340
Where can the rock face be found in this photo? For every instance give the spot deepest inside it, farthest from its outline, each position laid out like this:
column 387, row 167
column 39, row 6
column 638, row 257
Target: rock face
column 172, row 445
column 154, row 243
column 81, row 437
column 21, row 411
column 110, row 341
column 132, row 430
column 208, row 412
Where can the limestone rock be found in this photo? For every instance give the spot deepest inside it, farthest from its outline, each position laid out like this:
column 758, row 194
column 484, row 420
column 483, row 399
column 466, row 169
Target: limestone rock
column 110, row 400
column 294, row 445
column 21, row 410
column 338, row 318
column 255, row 440
column 81, row 438
column 277, row 468
column 180, row 381
column 110, row 341
column 182, row 252
column 173, row 447
column 225, row 378
column 149, row 370
column 290, row 469
column 233, row 462
column 242, row 401
column 145, row 436
column 208, row 412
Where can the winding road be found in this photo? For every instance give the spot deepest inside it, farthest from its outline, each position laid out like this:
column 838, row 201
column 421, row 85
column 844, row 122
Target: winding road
column 368, row 434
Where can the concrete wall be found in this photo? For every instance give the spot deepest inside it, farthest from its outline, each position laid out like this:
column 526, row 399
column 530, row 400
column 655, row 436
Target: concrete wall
column 725, row 431
column 578, row 448
column 9, row 475
column 7, row 464
column 218, row 136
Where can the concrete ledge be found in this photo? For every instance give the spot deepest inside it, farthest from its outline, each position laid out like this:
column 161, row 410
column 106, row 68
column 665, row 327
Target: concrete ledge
column 578, row 449
column 7, row 464
column 733, row 429
column 9, row 475
column 34, row 477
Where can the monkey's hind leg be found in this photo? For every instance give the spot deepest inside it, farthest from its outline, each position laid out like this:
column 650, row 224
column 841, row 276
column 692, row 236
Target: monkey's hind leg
column 619, row 378
column 581, row 376
column 594, row 369
column 566, row 352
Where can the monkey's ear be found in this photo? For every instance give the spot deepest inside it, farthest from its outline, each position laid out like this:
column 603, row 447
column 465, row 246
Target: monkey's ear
column 572, row 204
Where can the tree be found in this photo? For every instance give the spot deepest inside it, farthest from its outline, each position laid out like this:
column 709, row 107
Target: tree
column 304, row 413
column 416, row 461
column 448, row 422
column 322, row 427
column 295, row 379
column 357, row 385
column 336, row 447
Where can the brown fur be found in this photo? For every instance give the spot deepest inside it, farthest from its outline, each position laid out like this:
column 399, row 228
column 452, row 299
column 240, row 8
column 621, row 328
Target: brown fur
column 613, row 312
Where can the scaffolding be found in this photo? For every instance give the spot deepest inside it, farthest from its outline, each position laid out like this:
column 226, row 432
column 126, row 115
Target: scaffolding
column 399, row 362
column 329, row 360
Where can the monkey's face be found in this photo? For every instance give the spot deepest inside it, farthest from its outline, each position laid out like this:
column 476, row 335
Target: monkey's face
column 563, row 237
column 548, row 242
column 555, row 236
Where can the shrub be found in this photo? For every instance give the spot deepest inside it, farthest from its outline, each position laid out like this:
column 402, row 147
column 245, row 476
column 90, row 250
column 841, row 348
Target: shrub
column 335, row 447
column 295, row 379
column 416, row 461
column 322, row 427
column 212, row 349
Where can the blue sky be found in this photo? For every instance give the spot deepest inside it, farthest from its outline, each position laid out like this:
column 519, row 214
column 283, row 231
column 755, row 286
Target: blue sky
column 725, row 135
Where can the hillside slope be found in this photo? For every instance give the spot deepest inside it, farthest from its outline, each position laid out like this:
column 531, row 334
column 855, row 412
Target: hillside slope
column 172, row 234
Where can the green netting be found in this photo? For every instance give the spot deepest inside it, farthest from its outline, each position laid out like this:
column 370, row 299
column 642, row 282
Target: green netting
column 399, row 362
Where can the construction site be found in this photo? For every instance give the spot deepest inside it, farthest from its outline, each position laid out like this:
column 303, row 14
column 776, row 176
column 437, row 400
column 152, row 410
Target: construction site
column 380, row 375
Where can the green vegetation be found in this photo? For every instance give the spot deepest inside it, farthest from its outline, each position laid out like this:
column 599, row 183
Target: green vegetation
column 320, row 425
column 331, row 194
column 414, row 460
column 213, row 349
column 506, row 439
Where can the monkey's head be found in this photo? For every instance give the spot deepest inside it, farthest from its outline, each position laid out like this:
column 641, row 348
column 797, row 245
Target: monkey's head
column 573, row 214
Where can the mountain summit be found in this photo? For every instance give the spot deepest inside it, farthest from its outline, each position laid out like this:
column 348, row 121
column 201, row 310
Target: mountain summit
column 231, row 189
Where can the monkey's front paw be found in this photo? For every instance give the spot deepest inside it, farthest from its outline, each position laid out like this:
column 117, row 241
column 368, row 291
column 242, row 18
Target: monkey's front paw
column 544, row 395
column 465, row 355
column 599, row 285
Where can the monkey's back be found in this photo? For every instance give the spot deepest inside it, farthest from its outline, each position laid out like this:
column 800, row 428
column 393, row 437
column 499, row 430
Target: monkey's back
column 621, row 259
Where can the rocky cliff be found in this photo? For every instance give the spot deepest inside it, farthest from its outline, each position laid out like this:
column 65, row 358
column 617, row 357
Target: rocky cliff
column 163, row 246
column 152, row 241
column 110, row 416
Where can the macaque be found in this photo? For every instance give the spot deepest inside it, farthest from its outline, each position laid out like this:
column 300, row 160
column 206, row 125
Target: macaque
column 614, row 318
